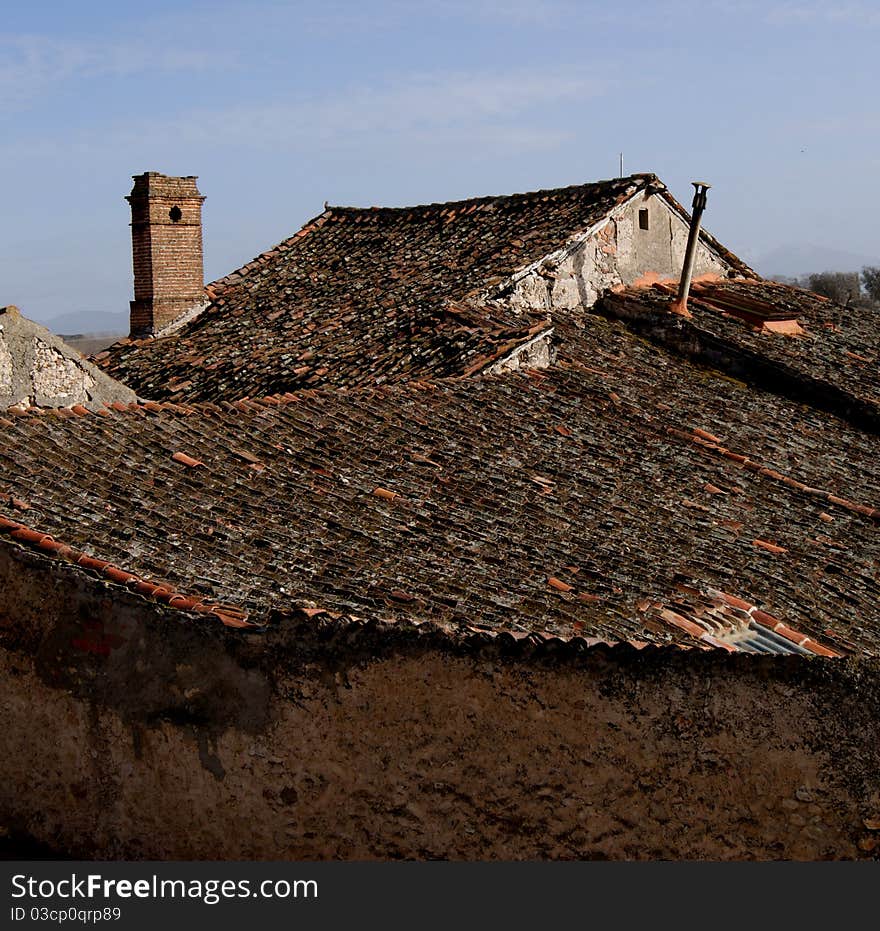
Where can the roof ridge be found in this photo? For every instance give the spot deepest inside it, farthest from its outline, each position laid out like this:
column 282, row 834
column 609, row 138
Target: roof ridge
column 79, row 410
column 215, row 288
column 260, row 402
column 633, row 179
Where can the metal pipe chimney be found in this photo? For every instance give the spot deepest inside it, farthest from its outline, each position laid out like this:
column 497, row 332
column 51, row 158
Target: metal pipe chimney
column 690, row 253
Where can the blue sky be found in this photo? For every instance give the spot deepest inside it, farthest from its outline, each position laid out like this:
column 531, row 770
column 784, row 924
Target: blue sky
column 278, row 107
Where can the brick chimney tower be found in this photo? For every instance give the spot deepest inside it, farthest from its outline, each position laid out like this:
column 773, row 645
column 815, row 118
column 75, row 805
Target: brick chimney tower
column 166, row 241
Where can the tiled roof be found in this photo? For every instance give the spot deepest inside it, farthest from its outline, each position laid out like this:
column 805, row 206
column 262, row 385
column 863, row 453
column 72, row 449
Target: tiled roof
column 623, row 495
column 366, row 296
column 774, row 335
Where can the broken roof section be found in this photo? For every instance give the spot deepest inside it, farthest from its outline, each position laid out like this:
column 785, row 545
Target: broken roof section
column 37, row 369
column 775, row 336
column 367, row 296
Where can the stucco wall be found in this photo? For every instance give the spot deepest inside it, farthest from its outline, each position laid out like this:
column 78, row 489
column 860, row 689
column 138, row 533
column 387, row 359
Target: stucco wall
column 129, row 732
column 38, row 370
column 618, row 253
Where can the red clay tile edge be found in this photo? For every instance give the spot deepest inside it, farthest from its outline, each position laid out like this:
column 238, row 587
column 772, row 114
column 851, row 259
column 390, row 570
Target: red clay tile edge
column 778, row 627
column 230, row 615
column 702, row 439
column 233, row 616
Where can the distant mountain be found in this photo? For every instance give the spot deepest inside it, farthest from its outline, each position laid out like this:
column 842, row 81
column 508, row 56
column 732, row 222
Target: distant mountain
column 792, row 261
column 87, row 321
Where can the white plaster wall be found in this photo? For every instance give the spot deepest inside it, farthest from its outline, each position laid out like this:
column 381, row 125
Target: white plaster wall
column 617, row 253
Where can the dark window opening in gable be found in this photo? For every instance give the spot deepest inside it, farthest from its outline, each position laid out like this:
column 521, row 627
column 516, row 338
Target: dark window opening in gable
column 175, row 214
column 643, row 218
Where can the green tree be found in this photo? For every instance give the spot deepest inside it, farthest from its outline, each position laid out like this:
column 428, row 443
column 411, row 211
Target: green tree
column 871, row 282
column 842, row 287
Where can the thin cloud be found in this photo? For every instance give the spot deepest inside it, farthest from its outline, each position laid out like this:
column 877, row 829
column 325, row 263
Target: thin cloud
column 484, row 114
column 849, row 14
column 416, row 109
column 801, row 12
column 32, row 65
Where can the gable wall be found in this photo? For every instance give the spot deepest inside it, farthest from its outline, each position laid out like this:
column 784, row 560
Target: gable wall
column 38, row 369
column 618, row 253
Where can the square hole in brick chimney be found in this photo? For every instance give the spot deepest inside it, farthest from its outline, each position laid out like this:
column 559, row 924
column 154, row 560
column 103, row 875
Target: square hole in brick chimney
column 643, row 218
column 175, row 214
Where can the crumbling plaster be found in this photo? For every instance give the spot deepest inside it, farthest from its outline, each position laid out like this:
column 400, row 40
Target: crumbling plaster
column 617, row 252
column 537, row 353
column 5, row 368
column 130, row 730
column 38, row 370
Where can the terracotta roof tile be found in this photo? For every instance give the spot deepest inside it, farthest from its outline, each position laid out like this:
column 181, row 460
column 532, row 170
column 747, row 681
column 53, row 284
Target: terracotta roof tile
column 476, row 537
column 188, row 461
column 365, row 296
column 36, row 540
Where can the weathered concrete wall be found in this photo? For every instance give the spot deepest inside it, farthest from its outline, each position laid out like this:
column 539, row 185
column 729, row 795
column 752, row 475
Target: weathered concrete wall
column 38, row 370
column 619, row 253
column 127, row 731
